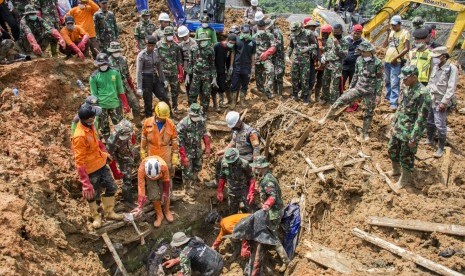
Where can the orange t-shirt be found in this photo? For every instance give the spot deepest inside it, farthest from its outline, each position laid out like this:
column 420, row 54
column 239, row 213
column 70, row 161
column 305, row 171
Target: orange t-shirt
column 85, row 17
column 227, row 224
column 86, row 149
column 73, row 36
column 164, row 175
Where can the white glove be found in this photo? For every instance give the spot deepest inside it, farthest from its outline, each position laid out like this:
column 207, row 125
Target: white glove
column 288, row 60
column 187, row 80
column 214, row 83
column 139, row 92
column 323, row 59
column 166, row 84
column 230, row 71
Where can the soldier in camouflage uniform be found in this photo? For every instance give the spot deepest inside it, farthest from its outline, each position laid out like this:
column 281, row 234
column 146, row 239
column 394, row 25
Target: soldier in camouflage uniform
column 164, row 20
column 191, row 132
column 36, row 33
column 278, row 58
column 105, row 26
column 120, row 146
column 48, row 10
column 264, row 68
column 144, row 28
column 171, row 60
column 367, row 84
column 202, row 64
column 335, row 50
column 118, row 62
column 186, row 43
column 237, row 172
column 306, row 49
column 408, row 124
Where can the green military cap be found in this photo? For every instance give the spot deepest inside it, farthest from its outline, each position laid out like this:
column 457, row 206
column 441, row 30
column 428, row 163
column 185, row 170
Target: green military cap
column 168, row 31
column 366, row 46
column 407, row 71
column 144, row 13
column 194, row 110
column 296, row 26
column 260, row 162
column 231, row 155
column 114, row 47
column 203, row 36
column 418, row 21
column 29, row 9
column 205, row 19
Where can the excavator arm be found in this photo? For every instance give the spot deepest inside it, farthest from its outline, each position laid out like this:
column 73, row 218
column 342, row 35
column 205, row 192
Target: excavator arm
column 394, row 7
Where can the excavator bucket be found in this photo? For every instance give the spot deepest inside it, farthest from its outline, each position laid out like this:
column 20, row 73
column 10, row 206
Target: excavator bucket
column 328, row 17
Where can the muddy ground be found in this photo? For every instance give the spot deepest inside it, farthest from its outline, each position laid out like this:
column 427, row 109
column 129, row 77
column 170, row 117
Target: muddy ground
column 44, row 220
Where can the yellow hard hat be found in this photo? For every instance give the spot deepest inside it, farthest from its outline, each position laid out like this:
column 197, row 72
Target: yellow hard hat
column 162, row 110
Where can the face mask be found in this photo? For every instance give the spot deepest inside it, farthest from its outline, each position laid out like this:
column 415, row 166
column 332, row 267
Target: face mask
column 82, row 6
column 367, row 58
column 419, row 45
column 436, row 60
column 338, row 36
column 204, row 25
column 230, row 45
column 116, row 55
column 203, row 44
column 103, row 68
column 169, row 38
column 33, row 17
column 245, row 36
column 260, row 31
column 70, row 27
column 195, row 118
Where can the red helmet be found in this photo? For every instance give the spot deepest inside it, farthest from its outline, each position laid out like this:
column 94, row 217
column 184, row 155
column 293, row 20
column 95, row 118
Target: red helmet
column 306, row 20
column 357, row 28
column 326, row 28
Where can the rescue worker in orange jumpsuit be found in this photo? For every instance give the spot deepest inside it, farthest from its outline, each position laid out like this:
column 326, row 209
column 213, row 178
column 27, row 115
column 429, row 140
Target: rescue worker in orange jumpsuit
column 226, row 224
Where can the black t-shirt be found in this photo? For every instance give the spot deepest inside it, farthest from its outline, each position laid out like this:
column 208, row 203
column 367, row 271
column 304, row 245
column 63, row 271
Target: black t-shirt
column 351, row 59
column 244, row 50
column 221, row 58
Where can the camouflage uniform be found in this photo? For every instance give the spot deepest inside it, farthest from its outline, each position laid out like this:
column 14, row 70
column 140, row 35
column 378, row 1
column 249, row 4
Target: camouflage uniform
column 159, row 34
column 197, row 258
column 106, row 28
column 269, row 187
column 264, row 70
column 202, row 64
column 408, row 124
column 334, row 55
column 49, row 12
column 170, row 55
column 41, row 30
column 306, row 46
column 186, row 47
column 121, row 148
column 142, row 30
column 278, row 61
column 237, row 175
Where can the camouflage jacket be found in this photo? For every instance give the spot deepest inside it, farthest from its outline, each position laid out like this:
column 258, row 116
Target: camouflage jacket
column 269, row 187
column 142, row 30
column 305, row 45
column 335, row 54
column 368, row 76
column 170, row 56
column 190, row 135
column 410, row 118
column 158, row 34
column 237, row 175
column 39, row 28
column 105, row 26
column 278, row 57
column 264, row 41
column 121, row 65
column 241, row 141
column 49, row 12
column 121, row 150
column 186, row 47
column 202, row 61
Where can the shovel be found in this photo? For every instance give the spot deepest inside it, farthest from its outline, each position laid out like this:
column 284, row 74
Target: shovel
column 130, row 218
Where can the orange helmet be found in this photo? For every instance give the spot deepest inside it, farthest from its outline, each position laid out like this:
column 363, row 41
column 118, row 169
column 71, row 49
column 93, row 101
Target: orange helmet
column 326, row 28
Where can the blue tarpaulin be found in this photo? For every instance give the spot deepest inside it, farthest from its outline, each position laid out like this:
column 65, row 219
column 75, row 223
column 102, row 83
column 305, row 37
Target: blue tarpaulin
column 290, row 223
column 142, row 5
column 177, row 11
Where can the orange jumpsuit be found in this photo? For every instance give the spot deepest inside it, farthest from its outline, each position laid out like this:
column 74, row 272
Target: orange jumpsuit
column 86, row 149
column 227, row 225
column 164, row 176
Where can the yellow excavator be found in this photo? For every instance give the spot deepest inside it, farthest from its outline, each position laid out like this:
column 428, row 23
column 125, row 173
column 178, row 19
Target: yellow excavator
column 376, row 27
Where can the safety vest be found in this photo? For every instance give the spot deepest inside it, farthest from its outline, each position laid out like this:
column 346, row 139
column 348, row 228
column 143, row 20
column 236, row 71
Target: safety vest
column 422, row 60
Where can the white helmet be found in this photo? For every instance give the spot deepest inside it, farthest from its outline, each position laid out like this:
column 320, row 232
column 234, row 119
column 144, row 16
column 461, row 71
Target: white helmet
column 183, row 31
column 152, row 168
column 164, row 17
column 254, row 3
column 259, row 16
column 232, row 118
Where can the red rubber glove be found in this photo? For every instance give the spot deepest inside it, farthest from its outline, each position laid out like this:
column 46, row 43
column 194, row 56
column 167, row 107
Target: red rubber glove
column 35, row 47
column 137, row 48
column 88, row 191
column 216, row 244
column 141, row 200
column 171, row 263
column 131, row 84
column 166, row 190
column 251, row 194
column 117, row 174
column 264, row 56
column 245, row 250
column 77, row 51
column 133, row 139
column 183, row 155
column 124, row 101
column 180, row 73
column 268, row 203
column 206, row 140
column 83, row 43
column 219, row 192
column 58, row 37
column 101, row 146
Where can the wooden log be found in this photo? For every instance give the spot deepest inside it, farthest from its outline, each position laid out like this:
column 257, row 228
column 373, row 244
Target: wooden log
column 302, row 138
column 218, row 128
column 334, row 115
column 329, row 258
column 244, row 113
column 418, row 225
column 112, row 249
column 115, row 225
column 309, row 162
column 438, row 268
column 445, row 168
column 331, row 167
column 300, row 114
column 267, row 145
column 388, row 181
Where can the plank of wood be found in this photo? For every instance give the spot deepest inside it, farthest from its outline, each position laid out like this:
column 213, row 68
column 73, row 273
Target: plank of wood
column 244, row 113
column 112, row 249
column 335, row 115
column 310, row 163
column 300, row 114
column 438, row 268
column 267, row 145
column 302, row 138
column 115, row 225
column 418, row 225
column 445, row 168
column 329, row 258
column 331, row 167
column 387, row 179
column 218, row 128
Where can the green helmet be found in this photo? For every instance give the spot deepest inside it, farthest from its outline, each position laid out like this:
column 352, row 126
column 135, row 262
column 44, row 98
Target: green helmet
column 418, row 21
column 296, row 26
column 203, row 36
column 101, row 59
column 231, row 155
column 167, row 31
column 144, row 13
column 205, row 19
column 407, row 71
column 115, row 46
column 29, row 9
column 366, row 46
column 194, row 110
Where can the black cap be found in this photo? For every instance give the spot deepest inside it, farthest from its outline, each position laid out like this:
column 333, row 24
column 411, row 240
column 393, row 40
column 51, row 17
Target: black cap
column 69, row 19
column 232, row 37
column 245, row 28
column 261, row 23
column 151, row 39
column 421, row 33
column 103, row 1
column 86, row 111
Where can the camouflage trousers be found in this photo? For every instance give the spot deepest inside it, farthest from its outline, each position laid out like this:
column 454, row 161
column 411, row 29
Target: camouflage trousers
column 399, row 151
column 300, row 77
column 278, row 83
column 235, row 199
column 126, row 166
column 195, row 166
column 331, row 85
column 201, row 87
column 135, row 106
column 369, row 101
column 115, row 115
column 264, row 76
column 174, row 88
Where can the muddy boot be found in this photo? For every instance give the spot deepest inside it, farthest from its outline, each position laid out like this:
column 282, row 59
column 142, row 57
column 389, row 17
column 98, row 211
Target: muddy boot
column 158, row 213
column 97, row 223
column 167, row 211
column 188, row 188
column 215, row 103
column 405, row 179
column 242, row 100
column 229, row 98
column 53, row 49
column 222, row 105
column 365, row 129
column 429, row 137
column 440, row 152
column 395, row 169
column 108, row 203
column 233, row 100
